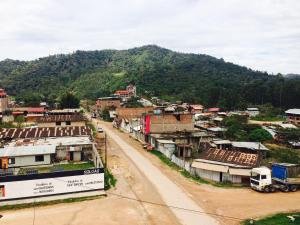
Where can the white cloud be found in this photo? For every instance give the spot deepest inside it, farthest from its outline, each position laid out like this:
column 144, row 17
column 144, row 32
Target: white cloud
column 261, row 34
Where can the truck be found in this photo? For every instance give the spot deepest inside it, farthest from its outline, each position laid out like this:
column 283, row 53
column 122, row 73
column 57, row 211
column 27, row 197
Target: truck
column 282, row 176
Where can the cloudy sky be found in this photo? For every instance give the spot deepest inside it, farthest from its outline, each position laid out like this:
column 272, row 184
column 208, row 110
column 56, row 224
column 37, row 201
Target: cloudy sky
column 260, row 34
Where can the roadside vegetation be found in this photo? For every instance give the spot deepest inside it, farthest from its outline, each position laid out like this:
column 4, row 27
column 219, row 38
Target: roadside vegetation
column 57, row 167
column 277, row 219
column 47, row 203
column 109, row 180
column 239, row 130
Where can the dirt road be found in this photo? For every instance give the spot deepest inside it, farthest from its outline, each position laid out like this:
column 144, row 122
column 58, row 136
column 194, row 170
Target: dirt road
column 168, row 190
column 238, row 203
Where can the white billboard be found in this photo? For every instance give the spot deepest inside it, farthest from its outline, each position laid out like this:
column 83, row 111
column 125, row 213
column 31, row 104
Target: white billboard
column 28, row 186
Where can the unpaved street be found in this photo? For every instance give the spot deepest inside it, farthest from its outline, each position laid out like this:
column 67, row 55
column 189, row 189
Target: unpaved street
column 239, row 203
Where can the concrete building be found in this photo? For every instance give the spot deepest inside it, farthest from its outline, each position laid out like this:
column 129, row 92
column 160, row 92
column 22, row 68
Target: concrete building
column 223, row 165
column 22, row 156
column 75, row 120
column 293, row 116
column 45, row 151
column 108, row 102
column 252, row 112
column 3, row 101
column 167, row 123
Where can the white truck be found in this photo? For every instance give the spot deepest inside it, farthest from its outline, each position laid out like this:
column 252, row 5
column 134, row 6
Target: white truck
column 283, row 176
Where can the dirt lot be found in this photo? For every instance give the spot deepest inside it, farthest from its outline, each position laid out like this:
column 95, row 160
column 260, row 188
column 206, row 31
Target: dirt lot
column 233, row 202
column 111, row 210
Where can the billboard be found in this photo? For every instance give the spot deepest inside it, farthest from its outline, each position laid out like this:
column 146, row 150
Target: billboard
column 47, row 184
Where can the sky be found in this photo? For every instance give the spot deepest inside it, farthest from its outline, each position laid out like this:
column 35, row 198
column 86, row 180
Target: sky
column 260, row 34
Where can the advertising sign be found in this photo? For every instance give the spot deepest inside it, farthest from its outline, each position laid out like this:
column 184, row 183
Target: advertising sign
column 46, row 184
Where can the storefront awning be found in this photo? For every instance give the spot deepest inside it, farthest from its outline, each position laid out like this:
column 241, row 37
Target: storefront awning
column 211, row 167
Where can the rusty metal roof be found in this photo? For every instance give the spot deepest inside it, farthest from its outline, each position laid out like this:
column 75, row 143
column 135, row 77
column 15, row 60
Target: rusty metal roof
column 238, row 157
column 42, row 132
column 61, row 118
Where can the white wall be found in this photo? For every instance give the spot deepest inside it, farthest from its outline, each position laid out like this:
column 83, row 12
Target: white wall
column 29, row 161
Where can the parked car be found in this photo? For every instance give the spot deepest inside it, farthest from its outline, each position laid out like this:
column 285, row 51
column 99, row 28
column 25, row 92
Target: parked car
column 100, row 130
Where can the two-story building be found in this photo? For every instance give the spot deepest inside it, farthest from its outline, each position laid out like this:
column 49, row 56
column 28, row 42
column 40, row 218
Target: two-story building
column 293, row 116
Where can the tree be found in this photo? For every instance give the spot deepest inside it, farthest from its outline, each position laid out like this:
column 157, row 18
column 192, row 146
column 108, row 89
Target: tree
column 20, row 120
column 260, row 135
column 69, row 100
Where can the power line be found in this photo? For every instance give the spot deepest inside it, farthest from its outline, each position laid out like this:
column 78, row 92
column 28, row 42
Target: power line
column 163, row 205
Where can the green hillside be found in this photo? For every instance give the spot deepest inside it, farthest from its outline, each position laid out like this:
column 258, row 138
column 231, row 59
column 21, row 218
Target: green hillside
column 156, row 71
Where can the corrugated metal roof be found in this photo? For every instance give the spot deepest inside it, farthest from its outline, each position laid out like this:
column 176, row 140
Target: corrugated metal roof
column 293, row 111
column 234, row 157
column 166, row 141
column 249, row 145
column 27, row 150
column 211, row 167
column 240, row 171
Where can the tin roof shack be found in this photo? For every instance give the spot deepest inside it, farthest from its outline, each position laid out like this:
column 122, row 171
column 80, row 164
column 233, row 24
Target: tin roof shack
column 293, row 116
column 61, row 120
column 223, row 165
column 108, row 103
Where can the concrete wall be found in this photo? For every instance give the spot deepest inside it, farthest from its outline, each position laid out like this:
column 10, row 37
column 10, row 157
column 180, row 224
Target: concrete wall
column 63, row 124
column 29, row 161
column 165, row 123
column 3, row 104
column 215, row 176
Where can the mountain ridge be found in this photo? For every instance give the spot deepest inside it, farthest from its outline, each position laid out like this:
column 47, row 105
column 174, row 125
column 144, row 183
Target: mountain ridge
column 157, row 71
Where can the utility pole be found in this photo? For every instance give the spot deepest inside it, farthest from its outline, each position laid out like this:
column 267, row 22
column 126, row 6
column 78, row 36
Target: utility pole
column 105, row 149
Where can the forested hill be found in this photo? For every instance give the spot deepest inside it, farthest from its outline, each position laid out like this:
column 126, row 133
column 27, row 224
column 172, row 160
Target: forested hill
column 156, row 72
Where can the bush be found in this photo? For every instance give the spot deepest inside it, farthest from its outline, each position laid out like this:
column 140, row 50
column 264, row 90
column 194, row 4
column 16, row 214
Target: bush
column 260, row 135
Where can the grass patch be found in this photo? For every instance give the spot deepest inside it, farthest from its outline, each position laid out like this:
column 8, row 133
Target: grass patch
column 91, row 125
column 186, row 174
column 47, row 203
column 109, row 180
column 280, row 219
column 268, row 118
column 65, row 167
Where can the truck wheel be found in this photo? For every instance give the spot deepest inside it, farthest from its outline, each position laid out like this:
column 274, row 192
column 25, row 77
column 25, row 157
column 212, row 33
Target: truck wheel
column 285, row 188
column 293, row 188
column 272, row 189
column 267, row 189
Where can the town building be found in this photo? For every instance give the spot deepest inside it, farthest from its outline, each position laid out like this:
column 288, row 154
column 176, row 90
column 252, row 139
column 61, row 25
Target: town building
column 61, row 120
column 3, row 101
column 108, row 103
column 252, row 112
column 293, row 116
column 223, row 165
column 128, row 93
column 31, row 114
column 167, row 123
column 196, row 108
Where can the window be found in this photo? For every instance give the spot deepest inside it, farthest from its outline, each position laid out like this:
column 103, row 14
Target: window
column 263, row 177
column 58, row 123
column 11, row 161
column 39, row 158
column 68, row 122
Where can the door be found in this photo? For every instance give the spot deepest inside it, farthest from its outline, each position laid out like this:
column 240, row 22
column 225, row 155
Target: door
column 71, row 156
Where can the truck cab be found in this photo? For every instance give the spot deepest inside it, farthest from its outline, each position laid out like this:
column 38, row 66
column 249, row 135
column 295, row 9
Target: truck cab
column 261, row 179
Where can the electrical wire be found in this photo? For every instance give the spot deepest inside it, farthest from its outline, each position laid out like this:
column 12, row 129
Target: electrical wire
column 161, row 204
